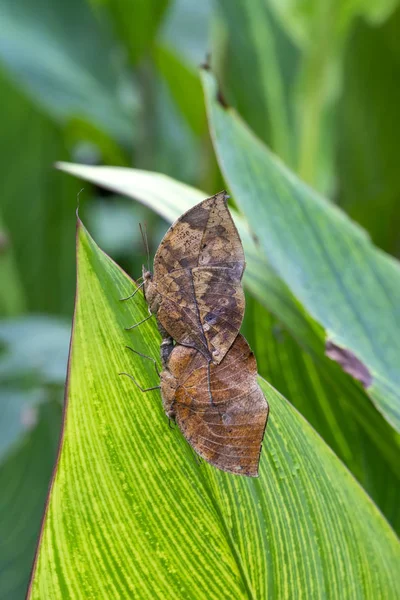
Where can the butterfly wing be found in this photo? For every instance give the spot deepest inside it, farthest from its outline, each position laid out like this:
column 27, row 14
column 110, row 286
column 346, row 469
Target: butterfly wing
column 202, row 249
column 227, row 431
column 220, row 302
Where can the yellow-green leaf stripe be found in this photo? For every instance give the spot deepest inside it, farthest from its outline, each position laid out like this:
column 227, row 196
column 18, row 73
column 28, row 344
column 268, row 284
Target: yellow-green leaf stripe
column 131, row 514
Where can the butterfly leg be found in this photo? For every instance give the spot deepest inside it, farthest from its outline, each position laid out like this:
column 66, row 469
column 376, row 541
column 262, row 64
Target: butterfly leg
column 133, row 293
column 137, row 324
column 156, row 387
column 145, row 356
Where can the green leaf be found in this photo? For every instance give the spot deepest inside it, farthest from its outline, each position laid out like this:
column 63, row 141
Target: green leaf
column 171, row 198
column 328, row 262
column 339, row 394
column 329, row 400
column 68, row 63
column 24, row 480
column 131, row 513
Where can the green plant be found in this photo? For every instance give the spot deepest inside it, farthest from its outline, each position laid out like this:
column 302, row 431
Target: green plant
column 131, row 512
column 115, row 82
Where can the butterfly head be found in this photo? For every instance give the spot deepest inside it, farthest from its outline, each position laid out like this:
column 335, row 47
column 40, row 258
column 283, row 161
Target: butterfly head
column 146, row 274
column 147, row 277
column 150, row 290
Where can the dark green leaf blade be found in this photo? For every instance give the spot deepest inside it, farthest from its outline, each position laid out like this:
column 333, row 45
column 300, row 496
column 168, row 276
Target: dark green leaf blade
column 328, row 262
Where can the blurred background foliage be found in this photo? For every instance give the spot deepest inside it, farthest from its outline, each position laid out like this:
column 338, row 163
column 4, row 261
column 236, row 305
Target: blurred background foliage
column 116, row 82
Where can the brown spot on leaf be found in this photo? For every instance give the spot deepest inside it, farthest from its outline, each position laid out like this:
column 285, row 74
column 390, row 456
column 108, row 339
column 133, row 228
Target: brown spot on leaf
column 349, row 363
column 226, row 428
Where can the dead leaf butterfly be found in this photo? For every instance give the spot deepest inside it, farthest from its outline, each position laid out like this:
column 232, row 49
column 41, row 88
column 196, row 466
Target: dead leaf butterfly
column 228, row 431
column 195, row 291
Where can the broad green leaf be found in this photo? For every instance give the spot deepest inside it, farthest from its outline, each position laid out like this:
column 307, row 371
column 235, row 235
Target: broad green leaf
column 24, row 481
column 171, row 198
column 65, row 58
column 131, row 513
column 39, row 230
column 337, row 398
column 370, row 132
column 328, row 262
column 328, row 400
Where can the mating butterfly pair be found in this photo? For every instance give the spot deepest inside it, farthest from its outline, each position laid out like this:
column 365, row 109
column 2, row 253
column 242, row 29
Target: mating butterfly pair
column 209, row 378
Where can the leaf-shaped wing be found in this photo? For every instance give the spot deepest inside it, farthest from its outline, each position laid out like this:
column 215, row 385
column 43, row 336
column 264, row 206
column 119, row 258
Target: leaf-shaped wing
column 179, row 314
column 204, row 235
column 198, row 269
column 227, row 431
column 220, row 301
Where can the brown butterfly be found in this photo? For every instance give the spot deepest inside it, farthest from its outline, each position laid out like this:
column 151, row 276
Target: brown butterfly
column 228, row 431
column 196, row 291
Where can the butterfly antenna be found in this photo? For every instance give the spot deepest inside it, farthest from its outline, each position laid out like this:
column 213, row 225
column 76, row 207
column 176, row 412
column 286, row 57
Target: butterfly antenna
column 143, row 231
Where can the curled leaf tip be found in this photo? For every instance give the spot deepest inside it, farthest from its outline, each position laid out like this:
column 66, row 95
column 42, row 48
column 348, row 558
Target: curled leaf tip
column 206, row 65
column 349, row 363
column 219, row 95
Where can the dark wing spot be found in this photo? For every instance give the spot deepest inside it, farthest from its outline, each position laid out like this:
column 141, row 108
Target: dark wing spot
column 211, row 318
